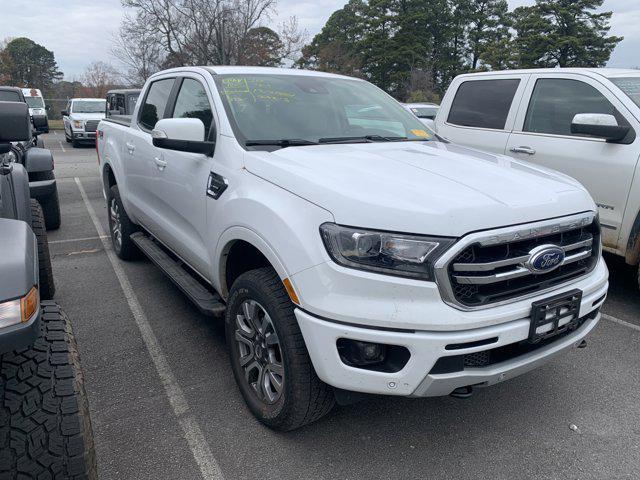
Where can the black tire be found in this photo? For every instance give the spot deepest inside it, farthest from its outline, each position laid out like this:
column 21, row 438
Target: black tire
column 51, row 203
column 304, row 398
column 66, row 137
column 124, row 248
column 75, row 143
column 47, row 285
column 39, row 143
column 45, row 429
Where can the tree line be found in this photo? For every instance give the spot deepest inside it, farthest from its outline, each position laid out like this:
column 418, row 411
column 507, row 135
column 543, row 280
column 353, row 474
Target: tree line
column 414, row 48
column 410, row 48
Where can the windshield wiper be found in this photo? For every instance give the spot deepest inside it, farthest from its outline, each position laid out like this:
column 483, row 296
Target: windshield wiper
column 367, row 139
column 283, row 142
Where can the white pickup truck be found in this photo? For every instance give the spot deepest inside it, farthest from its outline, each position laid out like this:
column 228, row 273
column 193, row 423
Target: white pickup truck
column 582, row 122
column 349, row 249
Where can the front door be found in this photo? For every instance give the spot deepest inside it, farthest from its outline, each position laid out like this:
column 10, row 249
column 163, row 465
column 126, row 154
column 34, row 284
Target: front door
column 543, row 136
column 180, row 181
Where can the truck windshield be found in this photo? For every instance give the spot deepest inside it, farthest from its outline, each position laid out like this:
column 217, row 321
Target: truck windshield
column 88, row 106
column 34, row 102
column 630, row 86
column 289, row 110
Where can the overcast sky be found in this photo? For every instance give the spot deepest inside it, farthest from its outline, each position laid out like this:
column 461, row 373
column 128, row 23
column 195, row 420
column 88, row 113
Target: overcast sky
column 80, row 31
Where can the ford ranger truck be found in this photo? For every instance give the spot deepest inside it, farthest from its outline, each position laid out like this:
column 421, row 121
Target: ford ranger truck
column 349, row 249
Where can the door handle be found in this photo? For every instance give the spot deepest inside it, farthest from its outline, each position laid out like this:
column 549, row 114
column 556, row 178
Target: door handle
column 527, row 150
column 130, row 146
column 160, row 163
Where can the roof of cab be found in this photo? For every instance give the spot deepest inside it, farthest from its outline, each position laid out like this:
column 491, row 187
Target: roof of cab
column 235, row 69
column 603, row 72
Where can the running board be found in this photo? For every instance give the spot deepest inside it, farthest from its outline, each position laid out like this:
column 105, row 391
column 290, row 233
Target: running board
column 208, row 302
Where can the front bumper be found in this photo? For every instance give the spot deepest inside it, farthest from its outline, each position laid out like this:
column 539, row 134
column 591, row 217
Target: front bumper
column 82, row 135
column 442, row 325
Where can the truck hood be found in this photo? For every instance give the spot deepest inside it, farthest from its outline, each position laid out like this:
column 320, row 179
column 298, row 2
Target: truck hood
column 86, row 116
column 420, row 187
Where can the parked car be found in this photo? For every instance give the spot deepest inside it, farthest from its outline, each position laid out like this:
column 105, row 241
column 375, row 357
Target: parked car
column 348, row 250
column 583, row 122
column 15, row 94
column 81, row 117
column 121, row 102
column 426, row 112
column 45, row 429
column 37, row 108
column 39, row 165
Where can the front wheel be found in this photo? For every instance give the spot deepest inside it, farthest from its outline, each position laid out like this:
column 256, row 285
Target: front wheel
column 47, row 285
column 269, row 358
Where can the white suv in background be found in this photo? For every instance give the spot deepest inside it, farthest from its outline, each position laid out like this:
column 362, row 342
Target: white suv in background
column 583, row 122
column 81, row 118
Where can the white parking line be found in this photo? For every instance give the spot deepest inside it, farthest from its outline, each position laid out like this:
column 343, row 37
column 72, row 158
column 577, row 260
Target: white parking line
column 200, row 450
column 621, row 322
column 69, row 240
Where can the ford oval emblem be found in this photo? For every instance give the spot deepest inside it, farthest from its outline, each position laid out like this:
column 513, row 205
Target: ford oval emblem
column 544, row 259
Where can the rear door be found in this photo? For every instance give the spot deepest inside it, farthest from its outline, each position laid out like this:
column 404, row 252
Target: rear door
column 180, row 178
column 482, row 111
column 140, row 156
column 542, row 135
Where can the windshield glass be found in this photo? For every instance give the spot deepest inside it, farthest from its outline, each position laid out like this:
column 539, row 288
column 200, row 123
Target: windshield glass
column 34, row 102
column 9, row 96
column 630, row 86
column 313, row 109
column 88, row 106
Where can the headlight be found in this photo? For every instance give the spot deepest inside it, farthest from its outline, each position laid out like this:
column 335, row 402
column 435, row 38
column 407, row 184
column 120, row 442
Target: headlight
column 383, row 252
column 19, row 310
column 78, row 124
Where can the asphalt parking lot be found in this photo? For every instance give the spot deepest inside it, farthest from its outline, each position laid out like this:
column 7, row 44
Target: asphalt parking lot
column 164, row 403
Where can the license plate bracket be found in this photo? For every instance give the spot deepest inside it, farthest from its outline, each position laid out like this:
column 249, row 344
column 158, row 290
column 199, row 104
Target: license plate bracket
column 554, row 315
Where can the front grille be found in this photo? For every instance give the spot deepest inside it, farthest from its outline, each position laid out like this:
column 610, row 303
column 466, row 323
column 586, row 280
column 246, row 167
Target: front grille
column 488, row 272
column 91, row 125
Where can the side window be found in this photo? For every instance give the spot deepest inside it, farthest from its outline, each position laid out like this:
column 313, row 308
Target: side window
column 192, row 102
column 155, row 103
column 555, row 101
column 483, row 103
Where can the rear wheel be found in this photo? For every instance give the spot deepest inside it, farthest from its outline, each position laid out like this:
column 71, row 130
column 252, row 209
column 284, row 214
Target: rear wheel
column 45, row 429
column 269, row 358
column 120, row 226
column 47, row 285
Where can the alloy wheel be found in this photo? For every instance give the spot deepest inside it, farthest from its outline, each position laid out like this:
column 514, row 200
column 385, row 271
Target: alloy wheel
column 115, row 223
column 260, row 354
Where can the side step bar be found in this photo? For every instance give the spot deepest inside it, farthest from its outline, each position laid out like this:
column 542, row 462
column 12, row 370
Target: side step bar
column 207, row 301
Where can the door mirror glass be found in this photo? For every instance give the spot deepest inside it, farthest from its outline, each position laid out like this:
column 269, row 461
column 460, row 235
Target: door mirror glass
column 181, row 134
column 64, row 113
column 599, row 125
column 15, row 122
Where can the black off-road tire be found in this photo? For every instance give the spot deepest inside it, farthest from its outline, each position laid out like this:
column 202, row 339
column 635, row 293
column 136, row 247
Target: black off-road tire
column 47, row 285
column 75, row 143
column 40, row 142
column 45, row 429
column 51, row 203
column 66, row 137
column 126, row 250
column 305, row 397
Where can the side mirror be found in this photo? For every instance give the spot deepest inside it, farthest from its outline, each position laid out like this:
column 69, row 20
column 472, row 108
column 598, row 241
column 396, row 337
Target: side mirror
column 64, row 113
column 599, row 125
column 183, row 135
column 47, row 108
column 15, row 122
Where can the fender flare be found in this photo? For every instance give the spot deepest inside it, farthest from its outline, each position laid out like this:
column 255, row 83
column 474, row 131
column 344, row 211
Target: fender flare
column 226, row 240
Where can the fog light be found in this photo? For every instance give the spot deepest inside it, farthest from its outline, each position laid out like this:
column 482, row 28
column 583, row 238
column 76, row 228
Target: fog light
column 358, row 353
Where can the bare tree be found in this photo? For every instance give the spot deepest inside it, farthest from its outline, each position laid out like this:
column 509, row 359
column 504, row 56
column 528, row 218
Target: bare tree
column 98, row 78
column 201, row 32
column 139, row 51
